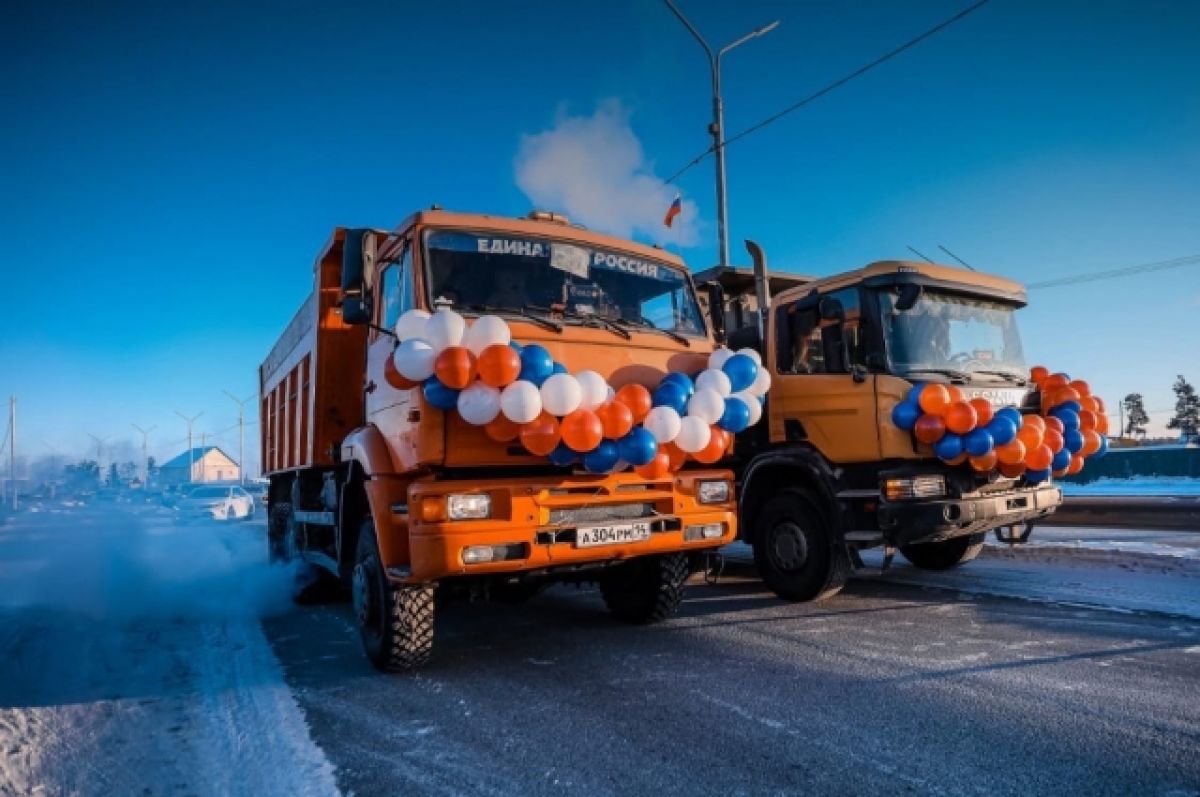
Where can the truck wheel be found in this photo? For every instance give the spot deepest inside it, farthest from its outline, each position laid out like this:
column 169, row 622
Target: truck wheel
column 645, row 590
column 946, row 554
column 279, row 519
column 394, row 621
column 794, row 552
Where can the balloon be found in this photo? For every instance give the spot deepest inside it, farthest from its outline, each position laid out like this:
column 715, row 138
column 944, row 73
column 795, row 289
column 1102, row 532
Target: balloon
column 664, row 423
column 978, row 442
column 517, row 347
column 1002, row 430
column 541, row 435
column 658, row 466
column 929, row 428
column 615, row 419
column 741, row 370
column 1069, row 418
column 1061, row 461
column 694, row 434
column 521, row 401
column 715, row 380
column 1037, row 476
column 1076, row 464
column 1073, row 440
column 1012, row 471
column 719, row 356
column 502, row 430
column 1031, row 436
column 670, row 394
column 707, row 405
column 638, row 447
column 762, row 383
column 749, row 352
column 1102, row 424
column 1054, row 423
column 637, row 399
column 714, row 450
column 394, row 378
column 558, row 368
column 411, row 324
column 984, row 412
column 1087, row 420
column 905, row 415
column 1103, row 447
column 1064, row 395
column 437, row 394
column 1081, row 387
column 454, row 367
column 1038, row 374
column 414, row 359
column 677, row 455
column 1099, row 404
column 536, row 364
column 562, row 456
column 1039, row 458
column 1054, row 439
column 960, row 459
column 753, row 404
column 479, row 404
column 949, row 446
column 1012, row 453
column 736, row 416
column 581, row 430
column 602, row 458
column 561, row 394
column 498, row 365
column 1036, row 421
column 1012, row 414
column 956, row 393
column 1055, row 381
column 683, row 380
column 594, row 387
column 934, row 399
column 960, row 417
column 984, row 463
column 444, row 328
column 914, row 393
column 1091, row 442
column 1090, row 404
column 487, row 330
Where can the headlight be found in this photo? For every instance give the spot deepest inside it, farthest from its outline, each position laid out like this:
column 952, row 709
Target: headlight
column 914, row 487
column 712, row 492
column 469, row 507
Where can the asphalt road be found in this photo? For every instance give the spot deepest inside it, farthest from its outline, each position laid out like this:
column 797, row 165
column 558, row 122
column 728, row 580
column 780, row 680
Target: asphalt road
column 886, row 688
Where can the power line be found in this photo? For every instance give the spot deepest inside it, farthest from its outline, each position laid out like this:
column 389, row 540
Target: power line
column 1161, row 265
column 831, row 87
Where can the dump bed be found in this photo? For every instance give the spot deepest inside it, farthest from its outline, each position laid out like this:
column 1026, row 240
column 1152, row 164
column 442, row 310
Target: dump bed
column 312, row 381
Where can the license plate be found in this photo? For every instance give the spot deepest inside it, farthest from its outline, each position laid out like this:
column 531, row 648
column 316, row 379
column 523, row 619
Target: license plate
column 591, row 536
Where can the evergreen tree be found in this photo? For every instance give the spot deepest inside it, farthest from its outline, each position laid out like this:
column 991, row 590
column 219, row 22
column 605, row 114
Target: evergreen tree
column 1135, row 415
column 1187, row 410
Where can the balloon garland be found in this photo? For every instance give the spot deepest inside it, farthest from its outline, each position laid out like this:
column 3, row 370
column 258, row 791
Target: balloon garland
column 1072, row 426
column 517, row 392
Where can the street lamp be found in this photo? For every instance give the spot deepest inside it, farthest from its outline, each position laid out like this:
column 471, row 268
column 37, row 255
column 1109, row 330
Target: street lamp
column 241, row 404
column 717, row 127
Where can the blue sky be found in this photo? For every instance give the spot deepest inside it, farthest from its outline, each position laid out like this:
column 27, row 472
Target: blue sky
column 169, row 170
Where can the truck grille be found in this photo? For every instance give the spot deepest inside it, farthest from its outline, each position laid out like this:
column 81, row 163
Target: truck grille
column 600, row 514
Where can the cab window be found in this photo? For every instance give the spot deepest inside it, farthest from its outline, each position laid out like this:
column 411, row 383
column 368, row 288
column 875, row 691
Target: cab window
column 809, row 344
column 396, row 290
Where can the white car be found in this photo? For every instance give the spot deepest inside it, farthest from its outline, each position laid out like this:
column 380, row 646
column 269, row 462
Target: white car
column 216, row 503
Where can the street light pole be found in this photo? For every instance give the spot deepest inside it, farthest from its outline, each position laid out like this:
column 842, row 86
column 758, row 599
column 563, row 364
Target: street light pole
column 191, row 451
column 100, row 441
column 145, row 452
column 241, row 433
column 716, row 128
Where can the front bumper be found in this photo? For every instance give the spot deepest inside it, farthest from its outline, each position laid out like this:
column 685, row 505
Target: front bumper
column 910, row 522
column 542, row 516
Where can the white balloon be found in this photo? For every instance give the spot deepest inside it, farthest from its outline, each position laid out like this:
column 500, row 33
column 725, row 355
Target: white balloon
column 594, row 387
column 444, row 328
column 414, row 359
column 521, row 401
column 714, row 379
column 762, row 383
column 487, row 330
column 694, row 434
column 663, row 423
column 752, row 403
column 707, row 405
column 719, row 356
column 752, row 354
column 411, row 324
column 561, row 394
column 479, row 403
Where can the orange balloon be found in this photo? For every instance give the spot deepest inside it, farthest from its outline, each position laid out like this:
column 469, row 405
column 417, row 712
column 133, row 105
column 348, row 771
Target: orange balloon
column 677, row 456
column 960, row 417
column 934, row 399
column 616, row 418
column 718, row 443
column 637, row 399
column 1055, row 380
column 1058, row 474
column 984, row 411
column 929, row 428
column 1064, row 394
column 395, row 378
column 1012, row 470
column 1039, row 458
column 1087, row 420
column 985, row 463
column 1076, row 464
column 1036, row 421
column 499, row 365
column 455, row 367
column 1102, row 424
column 581, row 430
column 960, row 459
column 656, row 468
column 1081, row 387
column 1100, row 408
column 1012, row 453
column 541, row 435
column 1054, row 439
column 1091, row 442
column 1031, row 437
column 956, row 393
column 502, row 430
column 1038, row 374
column 1090, row 404
column 1054, row 423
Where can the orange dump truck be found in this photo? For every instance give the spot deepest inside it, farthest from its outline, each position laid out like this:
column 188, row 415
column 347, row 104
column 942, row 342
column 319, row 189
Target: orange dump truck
column 396, row 499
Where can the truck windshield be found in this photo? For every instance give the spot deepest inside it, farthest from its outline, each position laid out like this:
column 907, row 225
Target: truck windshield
column 480, row 272
column 947, row 332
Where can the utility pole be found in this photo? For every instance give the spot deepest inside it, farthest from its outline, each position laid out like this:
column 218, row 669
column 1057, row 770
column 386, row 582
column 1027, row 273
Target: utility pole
column 191, row 451
column 12, row 448
column 100, row 441
column 241, row 433
column 145, row 452
column 716, row 128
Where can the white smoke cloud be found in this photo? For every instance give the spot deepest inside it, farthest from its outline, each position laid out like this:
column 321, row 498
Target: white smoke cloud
column 593, row 169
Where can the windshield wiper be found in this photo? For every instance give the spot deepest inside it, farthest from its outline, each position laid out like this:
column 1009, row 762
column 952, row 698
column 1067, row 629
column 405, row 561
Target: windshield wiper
column 542, row 321
column 950, row 372
column 649, row 327
column 1006, row 374
column 595, row 320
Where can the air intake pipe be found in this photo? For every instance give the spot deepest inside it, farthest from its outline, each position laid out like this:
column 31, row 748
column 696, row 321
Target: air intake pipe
column 762, row 288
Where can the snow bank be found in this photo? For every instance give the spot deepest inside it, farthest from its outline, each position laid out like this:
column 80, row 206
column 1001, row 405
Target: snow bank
column 1141, row 485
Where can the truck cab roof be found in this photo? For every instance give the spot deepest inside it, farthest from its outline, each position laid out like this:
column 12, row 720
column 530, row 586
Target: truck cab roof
column 899, row 272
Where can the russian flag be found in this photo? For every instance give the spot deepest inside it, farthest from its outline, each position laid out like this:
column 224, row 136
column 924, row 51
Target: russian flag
column 674, row 210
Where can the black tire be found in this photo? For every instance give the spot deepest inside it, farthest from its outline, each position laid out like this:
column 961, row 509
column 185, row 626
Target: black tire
column 795, row 552
column 645, row 590
column 946, row 554
column 395, row 622
column 279, row 544
column 230, row 513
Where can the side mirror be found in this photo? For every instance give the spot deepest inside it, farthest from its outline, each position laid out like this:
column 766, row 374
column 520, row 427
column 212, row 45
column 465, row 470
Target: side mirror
column 358, row 260
column 831, row 309
column 909, row 294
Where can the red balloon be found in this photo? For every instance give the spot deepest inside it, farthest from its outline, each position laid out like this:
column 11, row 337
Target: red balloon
column 929, row 428
column 581, row 431
column 656, row 468
column 1012, row 470
column 455, row 367
column 502, row 430
column 934, row 399
column 637, row 399
column 718, row 442
column 616, row 418
column 1038, row 374
column 541, row 435
column 960, row 417
column 394, row 377
column 984, row 412
column 499, row 365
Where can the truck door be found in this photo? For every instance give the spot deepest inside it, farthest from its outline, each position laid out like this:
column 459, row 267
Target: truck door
column 386, row 406
column 815, row 396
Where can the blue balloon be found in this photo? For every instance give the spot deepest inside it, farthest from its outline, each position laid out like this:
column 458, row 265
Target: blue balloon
column 1070, row 405
column 905, row 415
column 1103, row 447
column 670, row 394
column 1073, row 440
column 563, row 456
column 1013, row 415
column 736, row 416
column 558, row 368
column 1061, row 460
column 1069, row 418
column 1037, row 476
column 536, row 364
column 515, row 346
column 741, row 370
column 914, row 395
column 1002, row 430
column 638, row 447
column 949, row 447
column 978, row 442
column 602, row 458
column 440, row 396
column 683, row 380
